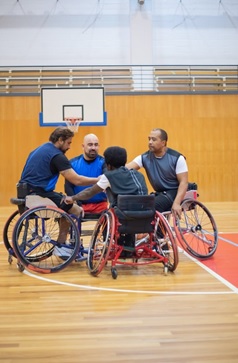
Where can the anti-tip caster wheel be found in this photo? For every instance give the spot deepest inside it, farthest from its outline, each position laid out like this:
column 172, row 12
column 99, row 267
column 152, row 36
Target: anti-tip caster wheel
column 20, row 267
column 166, row 269
column 10, row 259
column 114, row 273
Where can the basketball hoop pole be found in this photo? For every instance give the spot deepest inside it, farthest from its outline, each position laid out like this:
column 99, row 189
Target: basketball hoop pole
column 73, row 123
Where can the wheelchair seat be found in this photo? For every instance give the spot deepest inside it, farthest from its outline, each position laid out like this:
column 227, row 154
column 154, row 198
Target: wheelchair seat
column 135, row 213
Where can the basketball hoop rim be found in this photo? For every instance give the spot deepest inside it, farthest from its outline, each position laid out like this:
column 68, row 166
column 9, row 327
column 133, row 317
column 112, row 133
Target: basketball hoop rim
column 72, row 123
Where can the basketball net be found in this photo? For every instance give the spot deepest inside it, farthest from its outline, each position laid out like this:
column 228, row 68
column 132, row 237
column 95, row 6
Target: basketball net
column 73, row 123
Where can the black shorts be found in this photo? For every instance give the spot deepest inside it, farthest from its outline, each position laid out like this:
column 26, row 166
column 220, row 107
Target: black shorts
column 164, row 200
column 55, row 197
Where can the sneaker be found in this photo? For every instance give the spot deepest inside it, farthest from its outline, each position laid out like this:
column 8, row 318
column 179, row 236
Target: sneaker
column 62, row 252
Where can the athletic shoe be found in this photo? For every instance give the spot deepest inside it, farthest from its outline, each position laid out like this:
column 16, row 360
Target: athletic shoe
column 63, row 252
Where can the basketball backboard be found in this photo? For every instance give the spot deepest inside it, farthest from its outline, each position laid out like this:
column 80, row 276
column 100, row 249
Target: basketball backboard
column 85, row 103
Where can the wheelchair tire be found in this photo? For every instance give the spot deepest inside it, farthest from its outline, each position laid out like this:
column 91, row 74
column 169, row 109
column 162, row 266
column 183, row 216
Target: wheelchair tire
column 7, row 232
column 35, row 237
column 165, row 244
column 197, row 230
column 101, row 243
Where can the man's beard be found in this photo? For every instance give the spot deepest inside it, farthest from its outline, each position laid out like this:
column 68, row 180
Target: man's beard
column 92, row 155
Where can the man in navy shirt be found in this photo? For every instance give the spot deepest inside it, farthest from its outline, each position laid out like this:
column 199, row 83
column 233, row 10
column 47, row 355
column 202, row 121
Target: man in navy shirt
column 43, row 167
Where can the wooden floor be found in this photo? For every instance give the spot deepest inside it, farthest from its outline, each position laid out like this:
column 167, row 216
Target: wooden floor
column 190, row 316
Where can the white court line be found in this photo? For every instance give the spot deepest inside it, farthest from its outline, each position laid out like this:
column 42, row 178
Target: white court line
column 88, row 287
column 228, row 241
column 233, row 289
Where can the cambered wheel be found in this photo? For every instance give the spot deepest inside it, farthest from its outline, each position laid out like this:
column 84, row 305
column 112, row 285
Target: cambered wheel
column 100, row 244
column 35, row 239
column 7, row 234
column 197, row 229
column 165, row 242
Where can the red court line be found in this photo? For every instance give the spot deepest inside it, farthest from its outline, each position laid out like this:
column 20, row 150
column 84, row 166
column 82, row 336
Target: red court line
column 224, row 261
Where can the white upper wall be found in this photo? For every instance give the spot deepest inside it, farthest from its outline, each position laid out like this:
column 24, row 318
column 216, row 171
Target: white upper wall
column 118, row 32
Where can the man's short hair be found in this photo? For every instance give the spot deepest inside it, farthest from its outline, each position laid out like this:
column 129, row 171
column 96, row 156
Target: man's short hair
column 61, row 132
column 115, row 156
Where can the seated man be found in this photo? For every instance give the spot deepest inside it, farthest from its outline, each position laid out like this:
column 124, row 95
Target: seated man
column 43, row 167
column 89, row 164
column 166, row 170
column 118, row 179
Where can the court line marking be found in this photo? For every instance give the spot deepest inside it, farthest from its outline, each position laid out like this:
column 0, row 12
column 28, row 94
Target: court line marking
column 228, row 241
column 211, row 272
column 88, row 287
column 233, row 289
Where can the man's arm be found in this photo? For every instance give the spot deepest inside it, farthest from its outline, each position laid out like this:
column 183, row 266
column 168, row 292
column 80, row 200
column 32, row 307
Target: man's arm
column 76, row 179
column 60, row 164
column 183, row 186
column 132, row 165
column 136, row 163
column 84, row 194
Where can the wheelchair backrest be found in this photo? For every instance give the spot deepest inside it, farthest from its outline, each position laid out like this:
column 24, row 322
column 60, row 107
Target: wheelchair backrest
column 135, row 213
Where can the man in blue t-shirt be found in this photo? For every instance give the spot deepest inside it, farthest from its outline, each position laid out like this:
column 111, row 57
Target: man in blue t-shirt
column 89, row 164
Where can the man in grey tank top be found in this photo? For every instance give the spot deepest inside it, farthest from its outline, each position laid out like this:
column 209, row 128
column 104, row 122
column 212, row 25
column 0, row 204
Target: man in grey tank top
column 166, row 170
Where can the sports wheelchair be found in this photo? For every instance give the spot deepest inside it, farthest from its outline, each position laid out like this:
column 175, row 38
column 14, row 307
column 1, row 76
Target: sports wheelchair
column 31, row 234
column 113, row 238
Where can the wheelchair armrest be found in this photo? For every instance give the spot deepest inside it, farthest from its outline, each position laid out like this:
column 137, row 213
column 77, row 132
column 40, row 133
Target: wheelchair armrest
column 17, row 201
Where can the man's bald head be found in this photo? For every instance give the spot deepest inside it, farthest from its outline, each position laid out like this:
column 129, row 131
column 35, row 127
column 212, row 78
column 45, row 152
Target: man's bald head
column 90, row 146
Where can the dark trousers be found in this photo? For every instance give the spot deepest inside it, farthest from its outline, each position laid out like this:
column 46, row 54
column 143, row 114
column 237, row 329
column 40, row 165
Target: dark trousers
column 164, row 200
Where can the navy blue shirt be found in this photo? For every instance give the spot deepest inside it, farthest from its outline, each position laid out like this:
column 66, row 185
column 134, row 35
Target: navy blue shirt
column 43, row 166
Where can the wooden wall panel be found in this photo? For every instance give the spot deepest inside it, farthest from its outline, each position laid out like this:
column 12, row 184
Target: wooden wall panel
column 203, row 127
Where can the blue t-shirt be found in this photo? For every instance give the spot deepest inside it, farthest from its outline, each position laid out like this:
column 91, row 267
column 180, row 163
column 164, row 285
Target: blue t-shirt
column 89, row 168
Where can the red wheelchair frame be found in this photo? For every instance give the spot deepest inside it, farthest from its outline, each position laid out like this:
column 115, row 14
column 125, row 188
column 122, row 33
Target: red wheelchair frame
column 106, row 242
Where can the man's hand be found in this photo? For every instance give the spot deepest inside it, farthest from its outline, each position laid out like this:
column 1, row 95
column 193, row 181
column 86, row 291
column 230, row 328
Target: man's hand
column 176, row 210
column 68, row 200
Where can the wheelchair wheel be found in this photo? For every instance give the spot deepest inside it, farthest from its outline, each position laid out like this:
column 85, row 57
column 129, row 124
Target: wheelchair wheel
column 7, row 234
column 101, row 243
column 35, row 240
column 165, row 243
column 197, row 229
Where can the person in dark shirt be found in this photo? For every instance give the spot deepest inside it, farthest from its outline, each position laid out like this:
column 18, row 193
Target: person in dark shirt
column 117, row 178
column 167, row 172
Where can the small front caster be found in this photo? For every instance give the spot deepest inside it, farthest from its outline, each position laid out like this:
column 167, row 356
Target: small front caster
column 114, row 273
